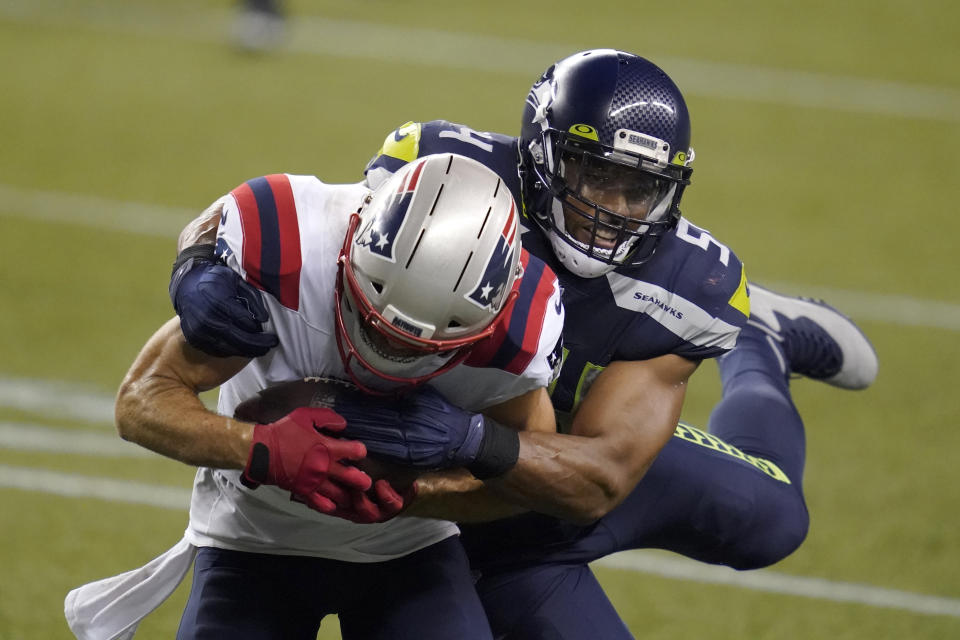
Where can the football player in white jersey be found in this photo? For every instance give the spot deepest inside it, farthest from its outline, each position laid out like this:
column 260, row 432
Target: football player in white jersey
column 413, row 290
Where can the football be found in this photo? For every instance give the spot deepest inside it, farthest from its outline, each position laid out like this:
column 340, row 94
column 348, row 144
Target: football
column 272, row 403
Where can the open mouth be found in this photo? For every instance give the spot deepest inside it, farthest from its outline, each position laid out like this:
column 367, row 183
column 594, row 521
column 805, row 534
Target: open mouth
column 581, row 225
column 604, row 239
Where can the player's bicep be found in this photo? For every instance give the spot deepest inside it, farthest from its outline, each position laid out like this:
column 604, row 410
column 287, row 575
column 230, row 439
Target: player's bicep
column 635, row 405
column 222, row 224
column 203, row 228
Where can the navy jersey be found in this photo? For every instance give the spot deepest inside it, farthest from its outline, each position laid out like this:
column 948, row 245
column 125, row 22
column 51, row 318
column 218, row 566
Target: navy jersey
column 689, row 299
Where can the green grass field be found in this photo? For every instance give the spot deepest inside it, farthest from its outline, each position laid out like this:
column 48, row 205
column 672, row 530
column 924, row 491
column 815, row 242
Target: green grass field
column 826, row 137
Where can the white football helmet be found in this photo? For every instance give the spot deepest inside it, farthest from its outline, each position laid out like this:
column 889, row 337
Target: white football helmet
column 427, row 268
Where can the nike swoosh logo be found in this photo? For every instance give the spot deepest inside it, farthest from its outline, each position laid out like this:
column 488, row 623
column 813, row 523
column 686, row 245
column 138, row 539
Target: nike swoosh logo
column 397, row 137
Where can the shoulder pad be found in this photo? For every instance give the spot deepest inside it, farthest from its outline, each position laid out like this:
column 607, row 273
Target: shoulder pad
column 265, row 235
column 704, row 271
column 403, row 143
column 536, row 310
column 414, row 139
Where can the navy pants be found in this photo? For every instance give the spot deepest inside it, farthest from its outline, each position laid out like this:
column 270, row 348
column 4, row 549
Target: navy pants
column 729, row 496
column 428, row 595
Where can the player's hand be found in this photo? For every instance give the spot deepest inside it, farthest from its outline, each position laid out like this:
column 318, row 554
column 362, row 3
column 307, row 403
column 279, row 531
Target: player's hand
column 297, row 454
column 220, row 313
column 380, row 504
column 424, row 431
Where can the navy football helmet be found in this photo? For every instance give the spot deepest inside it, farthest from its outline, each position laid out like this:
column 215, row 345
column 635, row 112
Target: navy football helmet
column 605, row 155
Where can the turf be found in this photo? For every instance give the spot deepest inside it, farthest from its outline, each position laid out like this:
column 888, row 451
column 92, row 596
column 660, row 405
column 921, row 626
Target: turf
column 145, row 102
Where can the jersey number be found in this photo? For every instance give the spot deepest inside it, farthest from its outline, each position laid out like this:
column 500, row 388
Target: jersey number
column 468, row 135
column 703, row 240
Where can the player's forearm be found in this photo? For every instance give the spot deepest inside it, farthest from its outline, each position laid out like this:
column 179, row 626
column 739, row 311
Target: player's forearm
column 159, row 409
column 456, row 495
column 583, row 475
column 574, row 478
column 630, row 412
column 155, row 414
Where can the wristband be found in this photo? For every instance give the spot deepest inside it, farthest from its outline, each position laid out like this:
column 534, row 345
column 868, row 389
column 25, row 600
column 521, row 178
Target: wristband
column 258, row 466
column 201, row 251
column 499, row 451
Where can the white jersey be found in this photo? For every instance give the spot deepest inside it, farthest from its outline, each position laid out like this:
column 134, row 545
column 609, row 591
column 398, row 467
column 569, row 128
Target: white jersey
column 284, row 234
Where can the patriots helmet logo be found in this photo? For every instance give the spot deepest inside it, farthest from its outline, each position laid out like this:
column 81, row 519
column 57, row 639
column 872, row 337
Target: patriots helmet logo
column 489, row 292
column 380, row 231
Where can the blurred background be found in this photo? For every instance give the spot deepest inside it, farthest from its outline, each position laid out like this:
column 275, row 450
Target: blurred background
column 826, row 137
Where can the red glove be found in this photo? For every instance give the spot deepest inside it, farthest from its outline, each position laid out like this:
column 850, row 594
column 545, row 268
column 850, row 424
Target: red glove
column 295, row 454
column 381, row 504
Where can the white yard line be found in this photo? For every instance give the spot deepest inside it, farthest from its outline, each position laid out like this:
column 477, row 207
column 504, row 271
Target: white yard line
column 166, row 222
column 52, row 399
column 93, row 212
column 678, row 568
column 397, row 44
column 886, row 308
column 72, row 485
column 31, row 437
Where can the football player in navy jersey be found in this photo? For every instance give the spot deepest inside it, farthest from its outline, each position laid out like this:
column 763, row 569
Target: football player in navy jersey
column 600, row 168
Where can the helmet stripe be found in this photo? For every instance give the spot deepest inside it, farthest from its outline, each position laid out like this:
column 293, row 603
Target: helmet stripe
column 415, row 176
